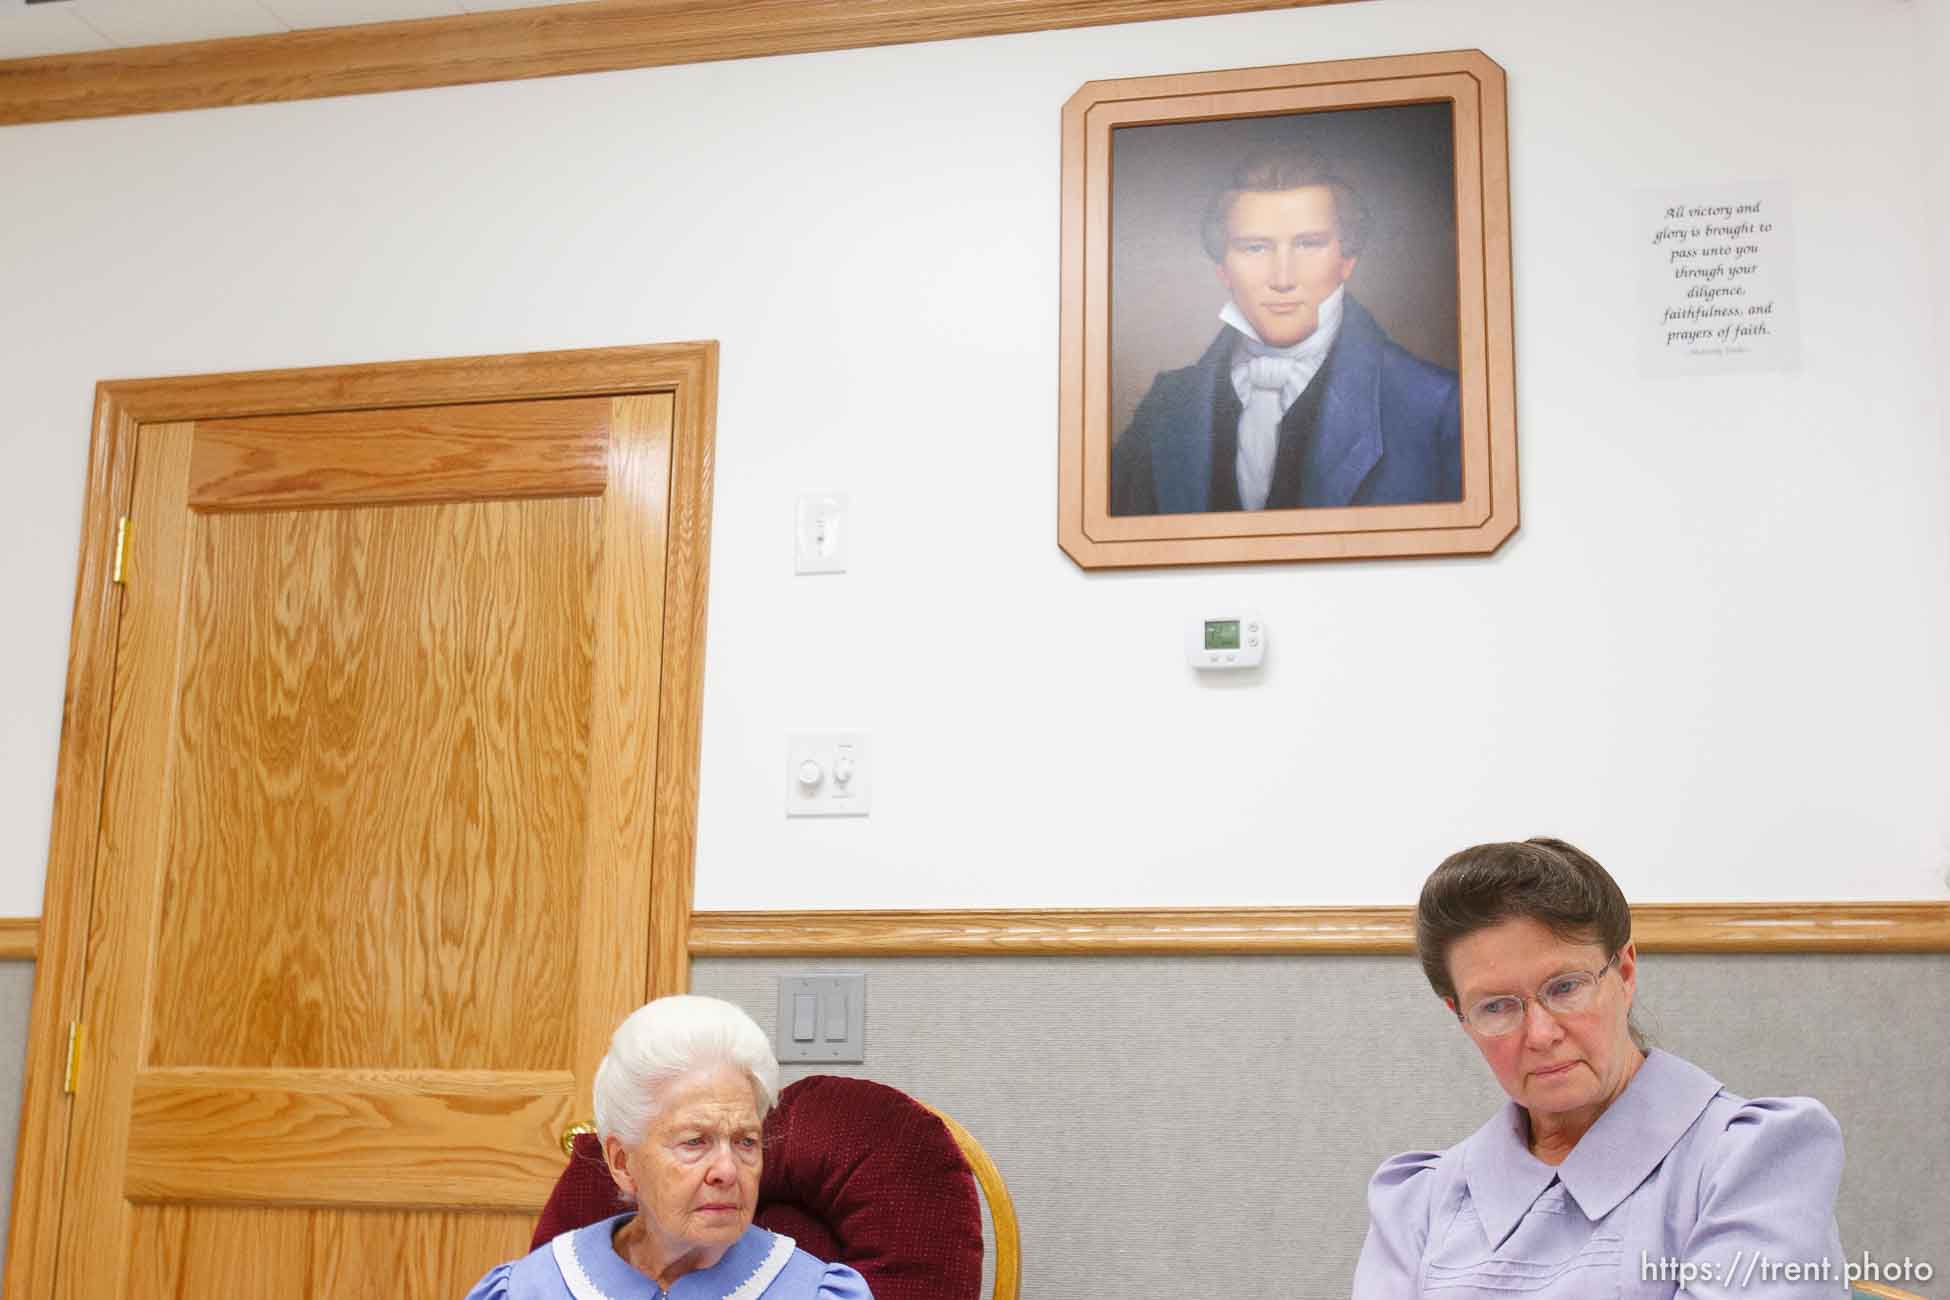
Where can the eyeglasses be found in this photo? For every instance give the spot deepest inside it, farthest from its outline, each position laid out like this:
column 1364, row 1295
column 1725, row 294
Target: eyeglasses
column 1562, row 995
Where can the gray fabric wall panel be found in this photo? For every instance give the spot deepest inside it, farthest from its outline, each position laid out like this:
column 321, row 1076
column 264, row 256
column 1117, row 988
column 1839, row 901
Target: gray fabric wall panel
column 1163, row 1117
column 16, row 1001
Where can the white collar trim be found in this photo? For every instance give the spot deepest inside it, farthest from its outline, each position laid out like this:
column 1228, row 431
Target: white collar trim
column 582, row 1288
column 768, row 1268
column 573, row 1276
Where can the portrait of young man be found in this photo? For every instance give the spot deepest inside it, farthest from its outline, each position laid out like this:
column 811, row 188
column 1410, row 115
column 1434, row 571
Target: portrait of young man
column 1302, row 398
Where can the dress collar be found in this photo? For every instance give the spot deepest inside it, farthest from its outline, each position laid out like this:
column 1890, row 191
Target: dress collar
column 592, row 1270
column 1635, row 1133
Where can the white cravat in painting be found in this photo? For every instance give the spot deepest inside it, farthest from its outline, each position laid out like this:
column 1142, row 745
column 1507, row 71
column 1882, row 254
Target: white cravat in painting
column 1269, row 381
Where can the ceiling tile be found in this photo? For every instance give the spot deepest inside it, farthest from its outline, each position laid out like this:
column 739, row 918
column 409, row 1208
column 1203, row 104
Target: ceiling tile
column 158, row 22
column 346, row 13
column 28, row 31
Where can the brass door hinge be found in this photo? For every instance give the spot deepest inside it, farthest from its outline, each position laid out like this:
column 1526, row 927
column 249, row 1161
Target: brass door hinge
column 73, row 1075
column 121, row 547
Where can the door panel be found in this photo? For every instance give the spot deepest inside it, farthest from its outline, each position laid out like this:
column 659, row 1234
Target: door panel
column 329, row 920
column 410, row 1253
column 171, row 1249
column 479, row 1138
column 249, row 1253
column 445, row 453
column 376, row 862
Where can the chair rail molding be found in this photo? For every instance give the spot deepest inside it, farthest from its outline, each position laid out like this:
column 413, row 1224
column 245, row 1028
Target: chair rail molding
column 1908, row 926
column 1862, row 927
column 20, row 937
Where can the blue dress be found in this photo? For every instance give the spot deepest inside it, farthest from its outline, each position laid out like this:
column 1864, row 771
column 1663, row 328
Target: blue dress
column 1680, row 1188
column 584, row 1265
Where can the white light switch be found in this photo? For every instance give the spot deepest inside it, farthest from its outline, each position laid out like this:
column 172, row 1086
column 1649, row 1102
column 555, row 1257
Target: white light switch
column 836, row 1018
column 828, row 774
column 819, row 533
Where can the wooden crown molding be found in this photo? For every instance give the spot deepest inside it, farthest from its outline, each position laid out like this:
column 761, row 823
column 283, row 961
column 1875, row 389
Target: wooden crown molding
column 1921, row 926
column 511, row 44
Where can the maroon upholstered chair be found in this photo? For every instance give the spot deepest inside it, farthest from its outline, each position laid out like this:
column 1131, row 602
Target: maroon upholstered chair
column 855, row 1172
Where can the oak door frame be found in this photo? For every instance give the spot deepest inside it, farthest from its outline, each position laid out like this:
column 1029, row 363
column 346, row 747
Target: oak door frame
column 686, row 371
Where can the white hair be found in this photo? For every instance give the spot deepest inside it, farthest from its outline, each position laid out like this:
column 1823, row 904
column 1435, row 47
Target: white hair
column 667, row 1039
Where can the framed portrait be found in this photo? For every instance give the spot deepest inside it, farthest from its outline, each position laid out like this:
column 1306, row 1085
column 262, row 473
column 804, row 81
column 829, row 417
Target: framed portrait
column 1286, row 325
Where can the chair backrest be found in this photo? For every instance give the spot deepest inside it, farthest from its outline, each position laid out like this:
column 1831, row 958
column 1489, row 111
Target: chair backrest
column 1002, row 1209
column 858, row 1173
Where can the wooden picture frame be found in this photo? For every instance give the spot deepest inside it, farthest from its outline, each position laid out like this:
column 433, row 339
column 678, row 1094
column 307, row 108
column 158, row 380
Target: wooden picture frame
column 1152, row 180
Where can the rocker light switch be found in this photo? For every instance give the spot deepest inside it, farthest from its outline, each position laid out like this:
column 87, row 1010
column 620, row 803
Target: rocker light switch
column 822, row 1018
column 836, row 1025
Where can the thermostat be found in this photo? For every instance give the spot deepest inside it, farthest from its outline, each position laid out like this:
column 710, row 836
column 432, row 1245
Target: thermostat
column 1228, row 639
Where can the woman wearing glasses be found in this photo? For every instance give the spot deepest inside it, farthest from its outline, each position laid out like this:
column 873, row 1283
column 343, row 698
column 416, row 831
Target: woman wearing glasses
column 1613, row 1170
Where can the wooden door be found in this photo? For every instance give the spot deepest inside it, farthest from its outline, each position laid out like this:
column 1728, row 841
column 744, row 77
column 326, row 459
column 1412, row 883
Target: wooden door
column 379, row 862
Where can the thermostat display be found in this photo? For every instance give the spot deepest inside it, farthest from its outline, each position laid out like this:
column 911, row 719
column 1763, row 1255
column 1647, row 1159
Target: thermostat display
column 1228, row 639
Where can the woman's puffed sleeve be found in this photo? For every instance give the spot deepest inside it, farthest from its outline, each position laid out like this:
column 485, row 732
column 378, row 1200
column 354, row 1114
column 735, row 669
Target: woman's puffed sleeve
column 494, row 1286
column 841, row 1283
column 1767, row 1198
column 1399, row 1196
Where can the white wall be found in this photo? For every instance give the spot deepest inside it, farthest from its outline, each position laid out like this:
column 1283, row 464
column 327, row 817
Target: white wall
column 1933, row 59
column 1715, row 654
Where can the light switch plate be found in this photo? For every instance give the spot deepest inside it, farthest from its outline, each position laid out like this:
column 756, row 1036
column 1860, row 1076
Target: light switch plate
column 820, row 533
column 828, row 774
column 838, row 1029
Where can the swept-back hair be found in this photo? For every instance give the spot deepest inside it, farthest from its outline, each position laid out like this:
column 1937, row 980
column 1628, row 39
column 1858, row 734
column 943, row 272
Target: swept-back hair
column 1288, row 169
column 1557, row 885
column 667, row 1039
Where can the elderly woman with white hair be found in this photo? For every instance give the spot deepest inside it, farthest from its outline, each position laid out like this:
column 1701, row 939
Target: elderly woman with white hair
column 681, row 1099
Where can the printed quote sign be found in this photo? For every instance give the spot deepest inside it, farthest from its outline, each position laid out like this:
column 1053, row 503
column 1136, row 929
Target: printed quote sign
column 1717, row 281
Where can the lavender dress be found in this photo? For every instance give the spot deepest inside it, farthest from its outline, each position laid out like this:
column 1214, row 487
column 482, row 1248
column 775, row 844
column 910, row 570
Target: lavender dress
column 1680, row 1188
